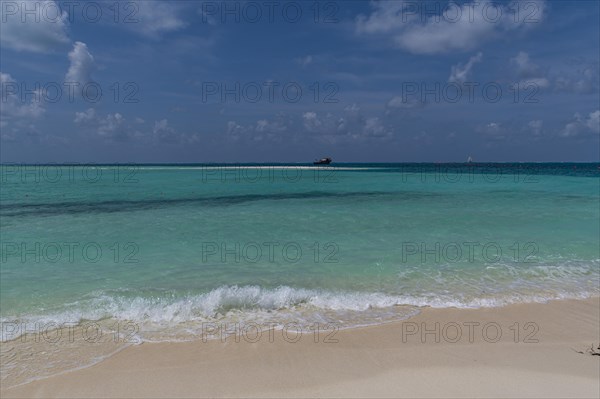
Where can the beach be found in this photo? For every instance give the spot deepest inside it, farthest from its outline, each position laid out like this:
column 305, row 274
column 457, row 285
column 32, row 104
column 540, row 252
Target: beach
column 289, row 280
column 391, row 360
column 300, row 199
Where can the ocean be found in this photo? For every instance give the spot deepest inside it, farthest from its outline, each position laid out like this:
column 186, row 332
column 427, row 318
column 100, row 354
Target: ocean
column 166, row 249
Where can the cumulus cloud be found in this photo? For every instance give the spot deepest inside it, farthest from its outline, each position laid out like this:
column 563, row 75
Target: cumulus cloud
column 454, row 27
column 351, row 124
column 584, row 79
column 85, row 116
column 529, row 73
column 267, row 126
column 16, row 111
column 581, row 126
column 593, row 121
column 234, row 130
column 492, row 131
column 304, row 61
column 277, row 129
column 581, row 80
column 111, row 124
column 163, row 133
column 18, row 115
column 155, row 18
column 460, row 73
column 42, row 31
column 348, row 125
column 535, row 127
column 400, row 103
column 112, row 127
column 524, row 66
column 387, row 16
column 373, row 127
column 311, row 122
column 82, row 64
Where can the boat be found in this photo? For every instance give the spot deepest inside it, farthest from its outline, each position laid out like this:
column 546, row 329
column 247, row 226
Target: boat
column 322, row 161
column 470, row 160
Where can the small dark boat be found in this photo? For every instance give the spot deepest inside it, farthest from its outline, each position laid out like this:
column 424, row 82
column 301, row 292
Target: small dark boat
column 322, row 161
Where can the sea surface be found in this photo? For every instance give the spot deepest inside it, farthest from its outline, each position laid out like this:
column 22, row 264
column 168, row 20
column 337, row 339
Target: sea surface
column 155, row 252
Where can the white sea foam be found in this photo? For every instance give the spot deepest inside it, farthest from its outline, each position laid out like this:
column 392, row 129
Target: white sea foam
column 168, row 316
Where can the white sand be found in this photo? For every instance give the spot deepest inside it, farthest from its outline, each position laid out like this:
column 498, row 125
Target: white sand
column 365, row 362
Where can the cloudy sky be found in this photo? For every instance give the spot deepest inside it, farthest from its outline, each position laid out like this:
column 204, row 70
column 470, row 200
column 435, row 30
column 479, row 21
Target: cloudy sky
column 192, row 81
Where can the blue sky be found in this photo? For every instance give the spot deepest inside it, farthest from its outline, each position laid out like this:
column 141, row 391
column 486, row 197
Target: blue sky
column 193, row 81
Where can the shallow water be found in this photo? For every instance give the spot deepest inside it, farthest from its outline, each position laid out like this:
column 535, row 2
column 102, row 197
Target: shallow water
column 172, row 247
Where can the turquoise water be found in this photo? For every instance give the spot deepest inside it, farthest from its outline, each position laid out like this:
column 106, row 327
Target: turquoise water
column 171, row 247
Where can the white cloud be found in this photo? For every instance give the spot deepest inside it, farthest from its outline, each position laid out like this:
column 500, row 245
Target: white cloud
column 350, row 125
column 277, row 129
column 460, row 73
column 304, row 61
column 267, row 126
column 162, row 126
column 5, row 78
column 493, row 127
column 572, row 129
column 455, row 28
column 164, row 133
column 387, row 16
column 311, row 122
column 536, row 127
column 112, row 126
column 85, row 116
column 529, row 73
column 540, row 83
column 234, row 130
column 82, row 64
column 593, row 121
column 400, row 103
column 14, row 109
column 582, row 126
column 493, row 131
column 328, row 127
column 582, row 80
column 524, row 66
column 43, row 30
column 373, row 127
column 157, row 17
column 352, row 108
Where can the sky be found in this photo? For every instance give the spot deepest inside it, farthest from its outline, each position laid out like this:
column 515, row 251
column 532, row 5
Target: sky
column 291, row 81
